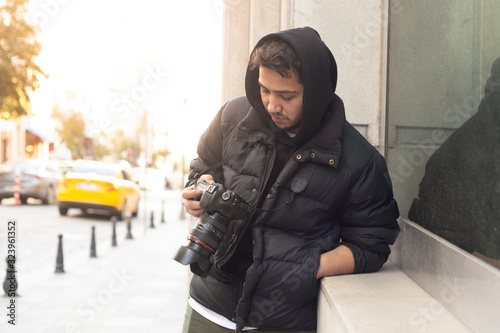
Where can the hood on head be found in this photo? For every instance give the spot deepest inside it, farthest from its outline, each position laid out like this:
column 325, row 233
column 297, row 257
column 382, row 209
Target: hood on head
column 319, row 74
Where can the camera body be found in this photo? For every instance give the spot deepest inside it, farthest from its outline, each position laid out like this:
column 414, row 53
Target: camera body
column 216, row 199
column 220, row 206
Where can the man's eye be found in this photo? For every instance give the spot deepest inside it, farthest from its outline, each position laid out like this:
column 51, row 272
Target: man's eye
column 264, row 91
column 288, row 98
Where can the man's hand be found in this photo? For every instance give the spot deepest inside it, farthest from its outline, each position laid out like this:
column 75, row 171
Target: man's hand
column 336, row 262
column 190, row 193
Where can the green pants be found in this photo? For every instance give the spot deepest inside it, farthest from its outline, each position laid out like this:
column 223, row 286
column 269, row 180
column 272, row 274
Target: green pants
column 196, row 323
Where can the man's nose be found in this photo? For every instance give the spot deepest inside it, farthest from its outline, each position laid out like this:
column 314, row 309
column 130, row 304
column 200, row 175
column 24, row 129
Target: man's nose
column 273, row 105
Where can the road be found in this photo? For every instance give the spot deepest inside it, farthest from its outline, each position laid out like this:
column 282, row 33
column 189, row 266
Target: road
column 134, row 287
column 38, row 227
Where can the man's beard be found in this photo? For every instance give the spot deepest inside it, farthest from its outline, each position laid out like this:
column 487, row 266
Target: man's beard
column 279, row 115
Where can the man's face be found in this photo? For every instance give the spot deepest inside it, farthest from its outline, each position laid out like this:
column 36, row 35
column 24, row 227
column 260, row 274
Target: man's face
column 282, row 97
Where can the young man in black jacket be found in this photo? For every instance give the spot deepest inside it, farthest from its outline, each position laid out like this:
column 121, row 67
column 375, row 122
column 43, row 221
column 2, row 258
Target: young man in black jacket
column 321, row 197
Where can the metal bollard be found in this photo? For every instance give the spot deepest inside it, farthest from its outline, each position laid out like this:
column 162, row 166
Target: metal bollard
column 93, row 253
column 129, row 226
column 113, row 235
column 60, row 259
column 162, row 212
column 152, row 224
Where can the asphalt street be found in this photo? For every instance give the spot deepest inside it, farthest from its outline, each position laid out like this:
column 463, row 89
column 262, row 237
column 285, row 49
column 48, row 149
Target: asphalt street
column 132, row 287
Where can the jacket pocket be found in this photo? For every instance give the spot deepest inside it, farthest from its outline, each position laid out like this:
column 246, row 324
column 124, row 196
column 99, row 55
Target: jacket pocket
column 292, row 282
column 286, row 293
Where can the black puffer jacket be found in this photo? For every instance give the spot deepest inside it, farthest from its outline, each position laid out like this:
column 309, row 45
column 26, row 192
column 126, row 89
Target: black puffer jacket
column 341, row 193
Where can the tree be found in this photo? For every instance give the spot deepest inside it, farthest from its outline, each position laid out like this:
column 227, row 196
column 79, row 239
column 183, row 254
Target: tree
column 125, row 147
column 18, row 48
column 100, row 150
column 71, row 129
column 160, row 155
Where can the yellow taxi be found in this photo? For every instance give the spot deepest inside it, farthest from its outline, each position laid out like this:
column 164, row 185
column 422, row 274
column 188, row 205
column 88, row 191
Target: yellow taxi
column 98, row 186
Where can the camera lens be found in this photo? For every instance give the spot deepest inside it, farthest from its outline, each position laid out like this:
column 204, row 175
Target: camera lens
column 191, row 255
column 203, row 241
column 220, row 206
column 208, row 231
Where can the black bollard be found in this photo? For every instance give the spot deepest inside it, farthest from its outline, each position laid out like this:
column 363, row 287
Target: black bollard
column 93, row 253
column 162, row 212
column 152, row 224
column 129, row 226
column 60, row 259
column 113, row 236
column 10, row 282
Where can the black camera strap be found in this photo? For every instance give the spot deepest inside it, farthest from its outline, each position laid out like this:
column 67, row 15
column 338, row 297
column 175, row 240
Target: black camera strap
column 216, row 165
column 298, row 184
column 283, row 204
column 299, row 181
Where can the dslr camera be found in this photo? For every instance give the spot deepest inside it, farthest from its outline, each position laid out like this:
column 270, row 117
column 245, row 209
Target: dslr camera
column 220, row 206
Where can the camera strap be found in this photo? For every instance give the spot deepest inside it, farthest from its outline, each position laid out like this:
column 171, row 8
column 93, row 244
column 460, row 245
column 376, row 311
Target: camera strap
column 197, row 175
column 298, row 184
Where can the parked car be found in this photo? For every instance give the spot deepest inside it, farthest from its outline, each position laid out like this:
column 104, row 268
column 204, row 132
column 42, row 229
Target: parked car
column 38, row 179
column 92, row 185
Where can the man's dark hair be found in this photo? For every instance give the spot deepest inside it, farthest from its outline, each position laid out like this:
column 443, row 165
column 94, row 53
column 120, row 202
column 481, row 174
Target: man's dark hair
column 277, row 55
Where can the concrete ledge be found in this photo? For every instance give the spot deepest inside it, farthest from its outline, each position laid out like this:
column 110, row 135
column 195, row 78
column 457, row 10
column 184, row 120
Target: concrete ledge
column 385, row 301
column 428, row 285
column 464, row 284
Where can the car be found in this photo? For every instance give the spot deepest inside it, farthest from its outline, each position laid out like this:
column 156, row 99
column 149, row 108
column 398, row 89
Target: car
column 98, row 186
column 38, row 179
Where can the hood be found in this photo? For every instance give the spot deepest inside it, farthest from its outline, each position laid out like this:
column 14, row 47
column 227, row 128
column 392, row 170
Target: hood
column 319, row 73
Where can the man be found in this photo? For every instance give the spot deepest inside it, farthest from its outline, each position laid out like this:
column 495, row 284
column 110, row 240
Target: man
column 322, row 195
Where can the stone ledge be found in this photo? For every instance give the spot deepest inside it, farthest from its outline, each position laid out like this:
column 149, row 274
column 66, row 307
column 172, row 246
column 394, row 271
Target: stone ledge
column 385, row 301
column 467, row 286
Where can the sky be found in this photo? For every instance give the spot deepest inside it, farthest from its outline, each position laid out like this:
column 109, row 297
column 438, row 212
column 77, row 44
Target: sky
column 122, row 57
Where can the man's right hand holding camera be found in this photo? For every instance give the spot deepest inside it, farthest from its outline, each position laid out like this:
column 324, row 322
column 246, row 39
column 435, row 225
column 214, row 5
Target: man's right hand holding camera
column 190, row 193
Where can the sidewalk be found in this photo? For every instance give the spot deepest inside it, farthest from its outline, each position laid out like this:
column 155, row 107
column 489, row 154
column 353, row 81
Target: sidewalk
column 134, row 287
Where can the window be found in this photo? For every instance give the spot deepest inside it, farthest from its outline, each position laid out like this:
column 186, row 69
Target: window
column 443, row 111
